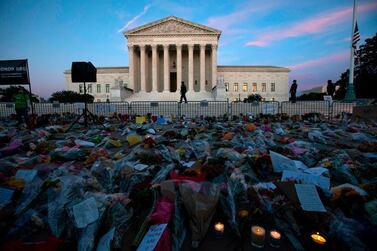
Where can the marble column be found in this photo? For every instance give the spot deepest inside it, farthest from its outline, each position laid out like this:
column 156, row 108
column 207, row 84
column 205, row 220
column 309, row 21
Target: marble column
column 190, row 67
column 202, row 67
column 154, row 67
column 131, row 66
column 214, row 65
column 142, row 68
column 179, row 66
column 166, row 68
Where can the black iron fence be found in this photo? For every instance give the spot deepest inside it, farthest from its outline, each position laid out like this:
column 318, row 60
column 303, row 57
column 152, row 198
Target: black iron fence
column 191, row 109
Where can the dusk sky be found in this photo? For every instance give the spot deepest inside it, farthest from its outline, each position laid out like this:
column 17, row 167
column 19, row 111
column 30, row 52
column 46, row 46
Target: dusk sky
column 311, row 37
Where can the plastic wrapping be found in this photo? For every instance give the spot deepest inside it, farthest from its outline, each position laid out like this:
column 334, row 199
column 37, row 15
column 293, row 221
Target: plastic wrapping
column 200, row 200
column 70, row 188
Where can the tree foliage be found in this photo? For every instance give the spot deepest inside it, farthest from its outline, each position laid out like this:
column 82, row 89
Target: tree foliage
column 8, row 93
column 365, row 72
column 70, row 97
column 253, row 98
column 311, row 96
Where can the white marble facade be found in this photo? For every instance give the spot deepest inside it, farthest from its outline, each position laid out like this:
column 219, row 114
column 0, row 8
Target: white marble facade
column 165, row 52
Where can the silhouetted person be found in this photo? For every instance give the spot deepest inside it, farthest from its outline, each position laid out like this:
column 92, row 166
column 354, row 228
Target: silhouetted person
column 330, row 88
column 183, row 92
column 21, row 100
column 293, row 91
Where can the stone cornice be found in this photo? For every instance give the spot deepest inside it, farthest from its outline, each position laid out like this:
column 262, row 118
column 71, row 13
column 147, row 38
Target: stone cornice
column 249, row 68
column 195, row 26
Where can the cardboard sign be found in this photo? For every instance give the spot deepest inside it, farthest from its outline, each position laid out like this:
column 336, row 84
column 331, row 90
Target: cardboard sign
column 309, row 198
column 152, row 237
column 368, row 112
column 85, row 212
column 141, row 119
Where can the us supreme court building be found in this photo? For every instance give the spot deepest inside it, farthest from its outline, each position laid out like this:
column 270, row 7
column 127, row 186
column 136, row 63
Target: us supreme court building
column 170, row 50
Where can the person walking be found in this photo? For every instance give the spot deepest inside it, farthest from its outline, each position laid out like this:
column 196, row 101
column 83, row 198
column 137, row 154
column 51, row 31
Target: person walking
column 293, row 91
column 183, row 92
column 330, row 88
column 21, row 101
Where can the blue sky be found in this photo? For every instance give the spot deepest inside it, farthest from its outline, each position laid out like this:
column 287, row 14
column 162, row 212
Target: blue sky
column 311, row 37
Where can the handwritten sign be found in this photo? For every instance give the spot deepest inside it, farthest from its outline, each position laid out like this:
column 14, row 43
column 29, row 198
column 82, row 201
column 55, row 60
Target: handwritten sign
column 281, row 163
column 85, row 212
column 309, row 198
column 152, row 237
column 306, row 178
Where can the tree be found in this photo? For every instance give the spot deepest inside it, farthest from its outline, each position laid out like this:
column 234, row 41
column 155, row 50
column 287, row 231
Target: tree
column 70, row 97
column 365, row 72
column 253, row 98
column 6, row 94
column 311, row 96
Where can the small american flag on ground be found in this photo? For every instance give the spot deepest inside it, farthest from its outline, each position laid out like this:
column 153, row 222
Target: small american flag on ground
column 356, row 36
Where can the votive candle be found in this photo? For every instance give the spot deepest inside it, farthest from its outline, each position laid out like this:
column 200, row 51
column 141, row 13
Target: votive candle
column 275, row 237
column 219, row 229
column 258, row 236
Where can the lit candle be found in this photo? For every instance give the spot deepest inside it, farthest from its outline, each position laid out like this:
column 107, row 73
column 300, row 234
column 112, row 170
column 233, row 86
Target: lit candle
column 257, row 236
column 219, row 229
column 318, row 238
column 275, row 238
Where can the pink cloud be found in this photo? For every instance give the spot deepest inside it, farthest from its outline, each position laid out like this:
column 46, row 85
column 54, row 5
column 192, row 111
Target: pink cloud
column 313, row 25
column 225, row 22
column 320, row 61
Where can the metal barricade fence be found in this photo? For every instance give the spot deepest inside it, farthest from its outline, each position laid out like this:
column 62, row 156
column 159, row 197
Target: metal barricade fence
column 7, row 109
column 194, row 109
column 50, row 108
column 255, row 108
column 165, row 108
column 107, row 108
column 303, row 107
column 339, row 107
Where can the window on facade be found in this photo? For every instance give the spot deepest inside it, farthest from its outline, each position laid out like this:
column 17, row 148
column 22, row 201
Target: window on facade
column 235, row 87
column 107, row 88
column 263, row 87
column 272, row 87
column 254, row 87
column 226, row 87
column 98, row 88
column 89, row 88
column 81, row 88
column 244, row 87
column 98, row 100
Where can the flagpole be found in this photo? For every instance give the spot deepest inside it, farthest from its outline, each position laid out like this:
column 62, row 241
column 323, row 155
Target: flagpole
column 350, row 94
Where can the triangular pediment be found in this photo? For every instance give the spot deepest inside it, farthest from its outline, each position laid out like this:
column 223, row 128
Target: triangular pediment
column 172, row 25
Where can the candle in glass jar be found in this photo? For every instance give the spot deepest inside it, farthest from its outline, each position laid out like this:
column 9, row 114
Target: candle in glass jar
column 257, row 236
column 318, row 238
column 275, row 238
column 219, row 229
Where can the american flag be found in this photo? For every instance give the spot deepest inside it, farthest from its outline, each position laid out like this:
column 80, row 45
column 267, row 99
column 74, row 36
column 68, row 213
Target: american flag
column 356, row 36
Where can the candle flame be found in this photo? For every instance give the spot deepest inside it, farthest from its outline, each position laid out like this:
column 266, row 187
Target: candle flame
column 318, row 238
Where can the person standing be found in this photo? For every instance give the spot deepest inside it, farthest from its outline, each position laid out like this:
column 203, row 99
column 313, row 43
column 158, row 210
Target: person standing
column 293, row 91
column 330, row 88
column 183, row 92
column 21, row 101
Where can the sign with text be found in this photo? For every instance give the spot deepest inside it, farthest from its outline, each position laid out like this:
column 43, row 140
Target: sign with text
column 14, row 72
